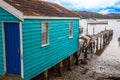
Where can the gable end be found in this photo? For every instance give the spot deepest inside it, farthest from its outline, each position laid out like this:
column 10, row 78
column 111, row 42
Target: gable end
column 11, row 10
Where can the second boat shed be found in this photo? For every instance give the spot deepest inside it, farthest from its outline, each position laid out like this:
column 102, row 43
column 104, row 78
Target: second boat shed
column 35, row 36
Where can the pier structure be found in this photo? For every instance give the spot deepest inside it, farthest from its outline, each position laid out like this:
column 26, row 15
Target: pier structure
column 95, row 43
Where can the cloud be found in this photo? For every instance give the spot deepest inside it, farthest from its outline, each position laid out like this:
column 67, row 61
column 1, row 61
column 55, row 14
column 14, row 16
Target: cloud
column 92, row 5
column 117, row 6
column 104, row 12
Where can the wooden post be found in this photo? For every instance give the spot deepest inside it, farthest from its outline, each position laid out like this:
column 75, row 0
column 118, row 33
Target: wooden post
column 46, row 75
column 104, row 40
column 85, row 54
column 60, row 68
column 94, row 47
column 69, row 63
column 77, row 58
column 97, row 45
column 100, row 42
column 91, row 47
column 109, row 38
column 111, row 35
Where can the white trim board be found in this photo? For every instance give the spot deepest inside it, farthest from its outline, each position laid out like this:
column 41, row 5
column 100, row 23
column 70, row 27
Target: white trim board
column 4, row 51
column 48, row 17
column 11, row 10
column 21, row 50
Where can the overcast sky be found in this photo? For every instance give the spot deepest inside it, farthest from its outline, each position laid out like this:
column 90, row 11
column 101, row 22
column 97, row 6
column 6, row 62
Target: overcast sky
column 101, row 6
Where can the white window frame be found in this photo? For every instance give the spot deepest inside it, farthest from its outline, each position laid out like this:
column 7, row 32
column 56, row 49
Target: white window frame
column 70, row 27
column 42, row 25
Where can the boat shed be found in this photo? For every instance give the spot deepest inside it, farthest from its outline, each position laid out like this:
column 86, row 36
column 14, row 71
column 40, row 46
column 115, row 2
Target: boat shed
column 35, row 35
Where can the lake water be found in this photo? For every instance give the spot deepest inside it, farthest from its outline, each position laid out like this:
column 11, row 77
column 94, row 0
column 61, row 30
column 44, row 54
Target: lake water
column 109, row 61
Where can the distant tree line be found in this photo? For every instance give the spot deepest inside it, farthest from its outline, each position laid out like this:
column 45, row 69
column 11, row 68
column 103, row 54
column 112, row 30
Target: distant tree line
column 87, row 15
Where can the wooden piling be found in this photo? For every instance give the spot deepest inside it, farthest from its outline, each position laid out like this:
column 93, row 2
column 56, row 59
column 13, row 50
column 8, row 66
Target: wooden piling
column 77, row 58
column 107, row 36
column 100, row 43
column 69, row 62
column 94, row 43
column 91, row 48
column 97, row 46
column 103, row 40
column 46, row 75
column 85, row 54
column 60, row 68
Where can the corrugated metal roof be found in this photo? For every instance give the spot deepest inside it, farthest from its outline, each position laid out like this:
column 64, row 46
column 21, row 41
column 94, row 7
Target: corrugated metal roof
column 41, row 8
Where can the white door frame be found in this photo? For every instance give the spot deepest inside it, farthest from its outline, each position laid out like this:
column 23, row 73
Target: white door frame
column 21, row 46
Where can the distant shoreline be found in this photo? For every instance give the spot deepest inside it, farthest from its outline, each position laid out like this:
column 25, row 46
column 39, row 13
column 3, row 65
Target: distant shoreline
column 87, row 15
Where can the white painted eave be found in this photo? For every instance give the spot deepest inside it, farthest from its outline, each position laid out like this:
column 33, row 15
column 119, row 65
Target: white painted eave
column 11, row 10
column 48, row 17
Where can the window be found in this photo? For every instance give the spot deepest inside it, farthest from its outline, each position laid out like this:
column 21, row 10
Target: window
column 45, row 40
column 70, row 30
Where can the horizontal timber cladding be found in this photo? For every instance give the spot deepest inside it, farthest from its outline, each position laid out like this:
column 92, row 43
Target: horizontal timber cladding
column 37, row 58
column 4, row 17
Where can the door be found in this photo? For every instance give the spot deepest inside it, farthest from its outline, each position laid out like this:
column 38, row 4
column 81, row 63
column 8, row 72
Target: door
column 12, row 48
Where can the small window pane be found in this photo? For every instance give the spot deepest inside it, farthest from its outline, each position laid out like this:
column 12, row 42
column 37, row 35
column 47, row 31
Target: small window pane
column 44, row 33
column 70, row 29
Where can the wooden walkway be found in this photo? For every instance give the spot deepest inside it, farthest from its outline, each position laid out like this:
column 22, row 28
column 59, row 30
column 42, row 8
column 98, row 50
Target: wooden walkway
column 94, row 43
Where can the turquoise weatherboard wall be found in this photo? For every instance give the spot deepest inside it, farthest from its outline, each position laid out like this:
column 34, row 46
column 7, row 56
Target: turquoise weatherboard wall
column 37, row 58
column 4, row 17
